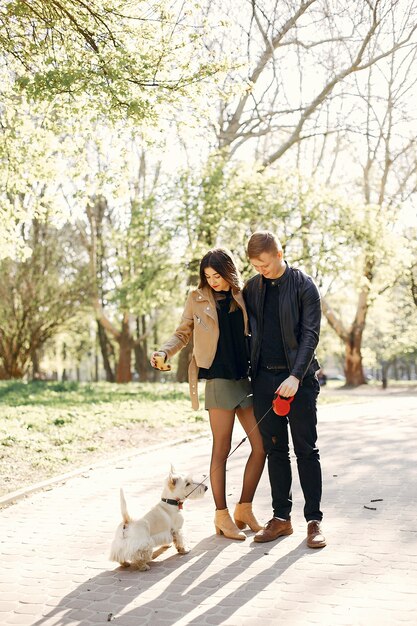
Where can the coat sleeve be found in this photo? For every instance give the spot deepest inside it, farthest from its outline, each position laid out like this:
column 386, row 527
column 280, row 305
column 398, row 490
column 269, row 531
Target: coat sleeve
column 309, row 328
column 183, row 333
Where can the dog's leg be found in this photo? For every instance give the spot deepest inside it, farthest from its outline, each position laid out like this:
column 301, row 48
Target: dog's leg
column 160, row 551
column 141, row 566
column 179, row 541
column 141, row 559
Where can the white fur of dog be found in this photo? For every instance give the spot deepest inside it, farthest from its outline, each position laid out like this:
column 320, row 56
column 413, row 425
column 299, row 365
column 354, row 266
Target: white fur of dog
column 135, row 540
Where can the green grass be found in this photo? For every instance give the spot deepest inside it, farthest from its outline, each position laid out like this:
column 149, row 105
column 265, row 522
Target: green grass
column 50, row 428
column 18, row 393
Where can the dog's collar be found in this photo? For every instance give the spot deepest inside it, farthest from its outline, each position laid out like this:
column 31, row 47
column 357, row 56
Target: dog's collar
column 178, row 503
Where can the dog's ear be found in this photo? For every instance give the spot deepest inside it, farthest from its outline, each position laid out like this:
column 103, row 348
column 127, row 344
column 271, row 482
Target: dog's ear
column 172, row 479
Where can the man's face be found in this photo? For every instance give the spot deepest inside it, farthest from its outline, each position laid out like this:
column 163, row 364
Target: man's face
column 268, row 264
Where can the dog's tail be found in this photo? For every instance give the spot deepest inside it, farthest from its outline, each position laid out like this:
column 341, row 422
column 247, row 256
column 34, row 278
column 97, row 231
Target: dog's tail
column 123, row 506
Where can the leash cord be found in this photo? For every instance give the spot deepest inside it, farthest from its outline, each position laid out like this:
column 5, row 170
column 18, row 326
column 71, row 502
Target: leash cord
column 249, row 395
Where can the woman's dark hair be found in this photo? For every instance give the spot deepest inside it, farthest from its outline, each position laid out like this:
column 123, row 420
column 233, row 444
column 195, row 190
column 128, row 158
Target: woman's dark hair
column 222, row 261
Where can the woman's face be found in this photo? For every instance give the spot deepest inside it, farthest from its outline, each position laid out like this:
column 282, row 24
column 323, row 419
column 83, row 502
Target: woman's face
column 216, row 282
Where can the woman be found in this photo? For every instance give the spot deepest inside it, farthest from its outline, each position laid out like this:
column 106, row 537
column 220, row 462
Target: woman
column 215, row 315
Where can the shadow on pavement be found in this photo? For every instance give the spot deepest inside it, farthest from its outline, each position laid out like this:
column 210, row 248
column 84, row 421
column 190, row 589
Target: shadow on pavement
column 106, row 596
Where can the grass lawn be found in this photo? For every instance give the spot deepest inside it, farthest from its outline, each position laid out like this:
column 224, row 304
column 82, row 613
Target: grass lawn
column 50, row 428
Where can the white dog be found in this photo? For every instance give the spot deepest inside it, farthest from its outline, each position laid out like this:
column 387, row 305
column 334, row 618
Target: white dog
column 135, row 540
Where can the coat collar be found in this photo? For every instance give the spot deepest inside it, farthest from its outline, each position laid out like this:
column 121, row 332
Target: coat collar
column 206, row 295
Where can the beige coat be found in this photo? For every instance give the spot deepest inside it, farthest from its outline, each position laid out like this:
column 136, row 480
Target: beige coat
column 199, row 319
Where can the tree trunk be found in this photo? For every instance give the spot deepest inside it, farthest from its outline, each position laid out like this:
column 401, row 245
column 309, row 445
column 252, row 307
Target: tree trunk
column 352, row 337
column 64, row 375
column 353, row 361
column 141, row 363
column 395, row 367
column 14, row 364
column 106, row 350
column 124, row 371
column 414, row 283
column 35, row 365
column 141, row 351
column 384, row 374
column 156, row 374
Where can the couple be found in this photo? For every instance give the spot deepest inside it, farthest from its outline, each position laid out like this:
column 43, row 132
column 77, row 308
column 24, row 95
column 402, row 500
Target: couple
column 281, row 307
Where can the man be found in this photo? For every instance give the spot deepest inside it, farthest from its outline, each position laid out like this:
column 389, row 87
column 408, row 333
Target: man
column 284, row 312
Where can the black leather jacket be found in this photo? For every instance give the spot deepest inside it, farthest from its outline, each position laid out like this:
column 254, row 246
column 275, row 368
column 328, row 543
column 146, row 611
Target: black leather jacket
column 300, row 314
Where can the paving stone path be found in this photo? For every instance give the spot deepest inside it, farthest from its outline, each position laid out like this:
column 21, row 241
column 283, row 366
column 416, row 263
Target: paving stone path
column 54, row 544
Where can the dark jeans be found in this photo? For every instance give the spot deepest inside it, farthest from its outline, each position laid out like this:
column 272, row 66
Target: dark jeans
column 302, row 420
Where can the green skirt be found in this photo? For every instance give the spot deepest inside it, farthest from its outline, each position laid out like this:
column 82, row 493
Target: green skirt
column 222, row 393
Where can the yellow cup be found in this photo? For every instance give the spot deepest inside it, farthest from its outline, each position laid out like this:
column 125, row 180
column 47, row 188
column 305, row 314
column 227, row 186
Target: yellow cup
column 160, row 362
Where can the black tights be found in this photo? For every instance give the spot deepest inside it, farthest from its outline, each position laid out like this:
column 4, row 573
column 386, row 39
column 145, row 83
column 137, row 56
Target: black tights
column 221, row 422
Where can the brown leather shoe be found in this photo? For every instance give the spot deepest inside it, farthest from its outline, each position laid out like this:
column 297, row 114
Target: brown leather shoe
column 315, row 538
column 273, row 529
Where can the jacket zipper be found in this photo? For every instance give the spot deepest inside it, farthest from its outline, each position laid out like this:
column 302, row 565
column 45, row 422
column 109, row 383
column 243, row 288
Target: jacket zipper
column 280, row 325
column 200, row 321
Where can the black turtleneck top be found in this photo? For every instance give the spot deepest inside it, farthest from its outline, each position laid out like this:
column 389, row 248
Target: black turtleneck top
column 231, row 359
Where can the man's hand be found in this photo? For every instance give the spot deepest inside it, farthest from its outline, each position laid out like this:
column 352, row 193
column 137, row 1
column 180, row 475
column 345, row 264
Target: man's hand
column 288, row 387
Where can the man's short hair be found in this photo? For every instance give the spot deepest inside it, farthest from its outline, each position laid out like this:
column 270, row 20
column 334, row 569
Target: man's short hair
column 263, row 241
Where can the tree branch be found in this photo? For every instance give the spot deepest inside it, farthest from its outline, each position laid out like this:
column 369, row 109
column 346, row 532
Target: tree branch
column 334, row 321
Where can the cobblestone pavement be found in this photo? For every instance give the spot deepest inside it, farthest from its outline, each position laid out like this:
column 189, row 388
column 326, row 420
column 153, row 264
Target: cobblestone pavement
column 54, row 544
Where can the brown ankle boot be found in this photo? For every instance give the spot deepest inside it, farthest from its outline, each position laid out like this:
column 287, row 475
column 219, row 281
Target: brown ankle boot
column 244, row 515
column 226, row 526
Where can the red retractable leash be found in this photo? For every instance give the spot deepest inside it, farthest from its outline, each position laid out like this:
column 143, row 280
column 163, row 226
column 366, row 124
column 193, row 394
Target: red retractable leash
column 280, row 405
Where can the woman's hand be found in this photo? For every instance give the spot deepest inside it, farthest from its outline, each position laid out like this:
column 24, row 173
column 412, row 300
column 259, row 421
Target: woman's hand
column 158, row 360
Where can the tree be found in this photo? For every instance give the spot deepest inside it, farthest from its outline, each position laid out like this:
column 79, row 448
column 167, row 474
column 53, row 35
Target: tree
column 127, row 245
column 66, row 62
column 30, row 171
column 117, row 57
column 364, row 243
column 38, row 296
column 392, row 334
column 389, row 178
column 299, row 56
